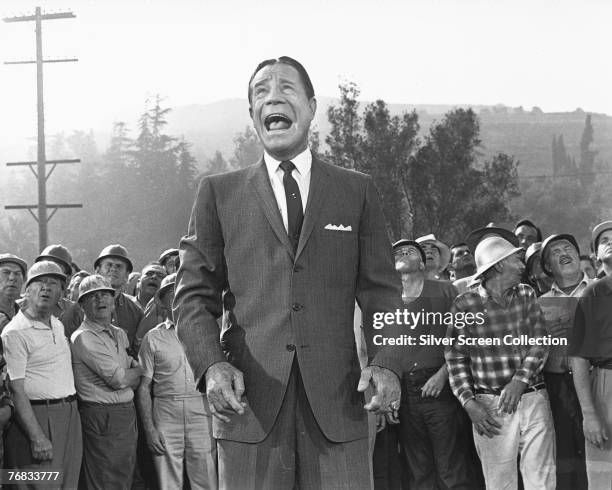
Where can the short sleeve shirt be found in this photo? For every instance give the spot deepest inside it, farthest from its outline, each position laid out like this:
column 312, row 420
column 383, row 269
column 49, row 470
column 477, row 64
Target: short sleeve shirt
column 100, row 359
column 40, row 355
column 163, row 360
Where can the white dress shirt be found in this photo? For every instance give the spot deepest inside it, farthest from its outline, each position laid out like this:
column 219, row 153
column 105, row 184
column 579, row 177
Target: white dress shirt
column 301, row 174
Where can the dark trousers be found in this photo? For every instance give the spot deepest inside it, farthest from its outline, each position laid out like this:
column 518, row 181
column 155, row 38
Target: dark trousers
column 434, row 438
column 389, row 472
column 567, row 417
column 61, row 424
column 109, row 445
column 295, row 453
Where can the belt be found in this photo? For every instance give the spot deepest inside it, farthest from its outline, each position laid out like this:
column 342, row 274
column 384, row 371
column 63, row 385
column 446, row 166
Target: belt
column 497, row 391
column 54, row 401
column 604, row 364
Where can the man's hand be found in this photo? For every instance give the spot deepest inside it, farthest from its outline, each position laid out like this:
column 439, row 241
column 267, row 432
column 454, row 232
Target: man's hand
column 41, row 448
column 594, row 430
column 560, row 326
column 155, row 441
column 386, row 386
column 434, row 385
column 224, row 390
column 510, row 396
column 484, row 423
column 5, row 416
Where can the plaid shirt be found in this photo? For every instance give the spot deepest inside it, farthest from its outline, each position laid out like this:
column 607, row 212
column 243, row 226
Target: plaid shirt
column 491, row 367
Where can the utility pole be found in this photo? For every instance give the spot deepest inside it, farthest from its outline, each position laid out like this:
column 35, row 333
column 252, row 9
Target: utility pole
column 41, row 162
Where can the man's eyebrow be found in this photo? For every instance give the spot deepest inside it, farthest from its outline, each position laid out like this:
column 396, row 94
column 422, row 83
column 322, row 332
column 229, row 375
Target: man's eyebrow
column 261, row 81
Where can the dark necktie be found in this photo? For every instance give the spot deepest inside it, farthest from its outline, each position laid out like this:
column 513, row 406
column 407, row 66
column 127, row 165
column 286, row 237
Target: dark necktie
column 295, row 213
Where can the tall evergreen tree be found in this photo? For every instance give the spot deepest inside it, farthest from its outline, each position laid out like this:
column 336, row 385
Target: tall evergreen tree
column 247, row 149
column 587, row 155
column 344, row 138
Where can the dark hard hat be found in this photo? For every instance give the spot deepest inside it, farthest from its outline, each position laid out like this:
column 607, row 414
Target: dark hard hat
column 13, row 259
column 166, row 254
column 115, row 251
column 57, row 253
column 549, row 241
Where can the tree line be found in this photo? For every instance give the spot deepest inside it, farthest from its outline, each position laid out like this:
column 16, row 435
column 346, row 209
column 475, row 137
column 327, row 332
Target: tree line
column 140, row 190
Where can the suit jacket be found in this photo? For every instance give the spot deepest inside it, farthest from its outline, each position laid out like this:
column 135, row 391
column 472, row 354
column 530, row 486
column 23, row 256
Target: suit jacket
column 237, row 260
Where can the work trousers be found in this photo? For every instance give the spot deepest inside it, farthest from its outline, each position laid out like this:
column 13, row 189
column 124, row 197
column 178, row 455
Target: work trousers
column 599, row 461
column 528, row 433
column 295, row 453
column 186, row 425
column 433, row 435
column 109, row 445
column 61, row 424
column 569, row 437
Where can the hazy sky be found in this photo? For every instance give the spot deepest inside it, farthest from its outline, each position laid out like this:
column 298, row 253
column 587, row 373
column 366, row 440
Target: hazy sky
column 553, row 54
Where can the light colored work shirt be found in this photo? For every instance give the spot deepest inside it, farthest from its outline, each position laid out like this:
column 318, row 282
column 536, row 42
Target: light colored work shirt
column 100, row 359
column 301, row 174
column 559, row 310
column 40, row 355
column 163, row 360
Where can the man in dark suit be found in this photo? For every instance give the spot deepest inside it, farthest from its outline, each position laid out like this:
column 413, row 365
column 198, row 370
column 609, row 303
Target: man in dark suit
column 283, row 249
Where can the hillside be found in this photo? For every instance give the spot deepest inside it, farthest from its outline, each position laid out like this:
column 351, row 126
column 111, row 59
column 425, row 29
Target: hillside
column 526, row 135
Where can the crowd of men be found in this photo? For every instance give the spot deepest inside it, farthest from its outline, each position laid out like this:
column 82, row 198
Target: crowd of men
column 540, row 410
column 79, row 350
column 264, row 369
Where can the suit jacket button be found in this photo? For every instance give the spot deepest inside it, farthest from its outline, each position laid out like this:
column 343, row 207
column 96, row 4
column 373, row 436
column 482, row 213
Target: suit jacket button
column 297, row 306
column 290, row 347
column 298, row 268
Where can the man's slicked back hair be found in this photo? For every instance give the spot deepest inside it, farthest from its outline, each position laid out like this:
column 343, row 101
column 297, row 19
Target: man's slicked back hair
column 286, row 60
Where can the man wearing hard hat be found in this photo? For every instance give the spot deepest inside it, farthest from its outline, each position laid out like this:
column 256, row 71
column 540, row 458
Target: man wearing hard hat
column 47, row 432
column 591, row 362
column 560, row 260
column 12, row 273
column 495, row 361
column 106, row 376
column 437, row 255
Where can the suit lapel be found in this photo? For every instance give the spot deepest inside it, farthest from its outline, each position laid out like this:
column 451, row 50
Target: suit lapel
column 263, row 189
column 317, row 194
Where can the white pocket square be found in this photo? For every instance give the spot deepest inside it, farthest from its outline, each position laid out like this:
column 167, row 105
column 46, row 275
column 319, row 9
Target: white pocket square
column 339, row 227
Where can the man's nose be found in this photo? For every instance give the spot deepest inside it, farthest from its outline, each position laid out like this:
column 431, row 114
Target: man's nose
column 274, row 95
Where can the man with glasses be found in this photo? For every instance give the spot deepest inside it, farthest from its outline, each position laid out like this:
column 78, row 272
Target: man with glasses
column 47, row 432
column 150, row 279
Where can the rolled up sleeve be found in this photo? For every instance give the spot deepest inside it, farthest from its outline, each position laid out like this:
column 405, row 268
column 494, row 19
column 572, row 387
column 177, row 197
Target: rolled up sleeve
column 95, row 354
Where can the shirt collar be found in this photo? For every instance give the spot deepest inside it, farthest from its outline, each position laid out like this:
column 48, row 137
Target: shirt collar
column 168, row 325
column 302, row 162
column 95, row 325
column 558, row 291
column 484, row 293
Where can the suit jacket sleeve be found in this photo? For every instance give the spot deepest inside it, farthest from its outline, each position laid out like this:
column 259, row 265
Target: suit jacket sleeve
column 201, row 280
column 379, row 287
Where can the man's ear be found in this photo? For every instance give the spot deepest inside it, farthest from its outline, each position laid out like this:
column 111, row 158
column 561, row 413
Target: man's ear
column 312, row 103
column 250, row 112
